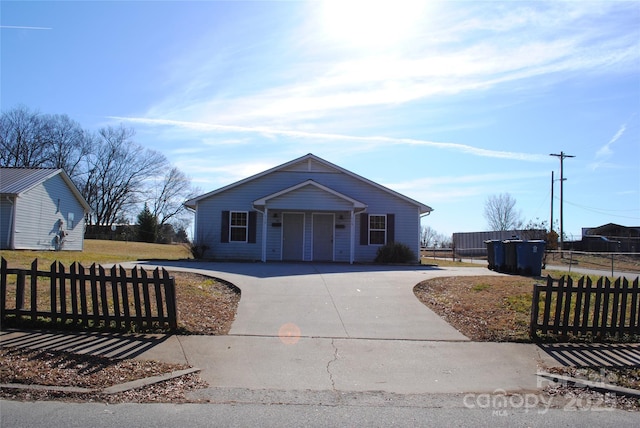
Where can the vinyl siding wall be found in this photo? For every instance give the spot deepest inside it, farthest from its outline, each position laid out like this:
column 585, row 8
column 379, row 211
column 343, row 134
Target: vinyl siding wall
column 307, row 200
column 38, row 212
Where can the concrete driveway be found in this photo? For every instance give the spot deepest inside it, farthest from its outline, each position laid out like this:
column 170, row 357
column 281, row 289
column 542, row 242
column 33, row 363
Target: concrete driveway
column 333, row 300
column 330, row 328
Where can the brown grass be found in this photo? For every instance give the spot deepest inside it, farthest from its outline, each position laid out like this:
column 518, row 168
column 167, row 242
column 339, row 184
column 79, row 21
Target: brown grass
column 99, row 252
column 483, row 308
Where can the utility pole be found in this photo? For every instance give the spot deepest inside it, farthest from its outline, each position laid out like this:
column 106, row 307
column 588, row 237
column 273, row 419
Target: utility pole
column 562, row 155
column 551, row 224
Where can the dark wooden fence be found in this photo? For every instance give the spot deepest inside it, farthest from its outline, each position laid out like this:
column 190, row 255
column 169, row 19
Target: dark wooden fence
column 90, row 296
column 605, row 308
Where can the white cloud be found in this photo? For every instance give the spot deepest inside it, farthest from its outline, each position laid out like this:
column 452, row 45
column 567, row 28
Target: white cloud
column 371, row 141
column 605, row 152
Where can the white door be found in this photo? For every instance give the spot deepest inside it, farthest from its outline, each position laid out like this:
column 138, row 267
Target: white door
column 292, row 236
column 323, row 237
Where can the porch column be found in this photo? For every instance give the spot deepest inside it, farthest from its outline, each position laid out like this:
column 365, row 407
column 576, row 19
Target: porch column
column 265, row 219
column 353, row 237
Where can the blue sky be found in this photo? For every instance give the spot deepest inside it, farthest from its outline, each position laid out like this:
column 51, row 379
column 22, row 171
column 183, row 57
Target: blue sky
column 446, row 102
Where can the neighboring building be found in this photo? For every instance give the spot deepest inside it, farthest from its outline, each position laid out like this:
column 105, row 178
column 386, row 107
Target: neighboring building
column 40, row 209
column 610, row 238
column 307, row 209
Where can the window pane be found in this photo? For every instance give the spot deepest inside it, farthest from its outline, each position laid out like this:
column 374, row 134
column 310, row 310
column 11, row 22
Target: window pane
column 377, row 222
column 238, row 234
column 377, row 237
column 238, row 219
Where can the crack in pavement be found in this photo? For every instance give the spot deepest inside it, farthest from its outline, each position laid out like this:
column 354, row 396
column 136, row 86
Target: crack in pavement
column 332, row 301
column 335, row 358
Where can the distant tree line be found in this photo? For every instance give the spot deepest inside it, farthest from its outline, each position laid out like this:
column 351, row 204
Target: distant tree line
column 116, row 175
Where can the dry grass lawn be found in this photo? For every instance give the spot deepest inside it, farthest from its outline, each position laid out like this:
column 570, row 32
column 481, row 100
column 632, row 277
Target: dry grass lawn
column 483, row 308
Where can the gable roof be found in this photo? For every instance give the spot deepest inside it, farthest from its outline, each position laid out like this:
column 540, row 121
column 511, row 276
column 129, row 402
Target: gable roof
column 263, row 200
column 16, row 181
column 311, row 163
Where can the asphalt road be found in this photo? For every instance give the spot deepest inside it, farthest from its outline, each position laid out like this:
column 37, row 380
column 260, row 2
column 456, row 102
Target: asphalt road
column 437, row 410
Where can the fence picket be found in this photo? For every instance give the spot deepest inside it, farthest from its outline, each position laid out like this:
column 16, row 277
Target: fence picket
column 578, row 306
column 74, row 291
column 547, row 305
column 613, row 324
column 146, row 298
column 94, row 294
column 103, row 295
column 634, row 320
column 3, row 284
column 624, row 292
column 597, row 305
column 605, row 307
column 82, row 285
column 125, row 298
column 34, row 290
column 136, row 297
column 587, row 307
column 53, row 291
column 158, row 293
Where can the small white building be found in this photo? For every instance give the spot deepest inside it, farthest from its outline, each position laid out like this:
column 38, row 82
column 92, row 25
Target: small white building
column 40, row 209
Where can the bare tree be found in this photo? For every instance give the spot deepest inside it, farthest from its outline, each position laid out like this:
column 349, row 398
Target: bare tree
column 21, row 142
column 67, row 144
column 501, row 214
column 116, row 174
column 427, row 236
column 169, row 194
column 29, row 139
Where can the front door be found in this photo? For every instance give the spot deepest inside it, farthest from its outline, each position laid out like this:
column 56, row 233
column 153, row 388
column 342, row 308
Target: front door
column 292, row 236
column 323, row 237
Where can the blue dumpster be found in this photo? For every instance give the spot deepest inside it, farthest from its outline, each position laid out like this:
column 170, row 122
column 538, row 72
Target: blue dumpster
column 510, row 256
column 495, row 254
column 529, row 257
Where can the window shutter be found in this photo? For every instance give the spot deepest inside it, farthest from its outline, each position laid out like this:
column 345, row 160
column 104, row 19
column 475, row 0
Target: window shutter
column 224, row 227
column 253, row 220
column 391, row 228
column 364, row 229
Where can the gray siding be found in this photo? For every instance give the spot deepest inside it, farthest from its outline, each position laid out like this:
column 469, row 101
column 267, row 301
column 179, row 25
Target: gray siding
column 38, row 212
column 307, row 199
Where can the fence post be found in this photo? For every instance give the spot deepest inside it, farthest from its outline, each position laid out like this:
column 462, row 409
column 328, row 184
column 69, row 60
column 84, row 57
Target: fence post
column 34, row 290
column 170, row 297
column 3, row 286
column 20, row 290
column 533, row 325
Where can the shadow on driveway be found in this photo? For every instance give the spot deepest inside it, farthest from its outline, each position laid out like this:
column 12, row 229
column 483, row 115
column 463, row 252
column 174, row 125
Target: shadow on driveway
column 279, row 269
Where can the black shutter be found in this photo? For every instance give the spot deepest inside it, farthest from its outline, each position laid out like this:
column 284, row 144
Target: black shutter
column 364, row 229
column 224, row 227
column 391, row 228
column 253, row 220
